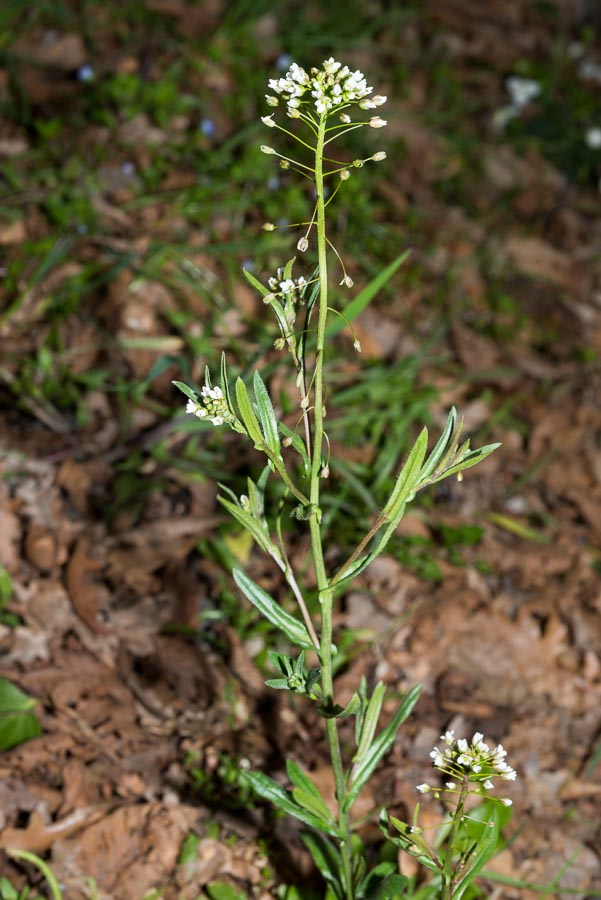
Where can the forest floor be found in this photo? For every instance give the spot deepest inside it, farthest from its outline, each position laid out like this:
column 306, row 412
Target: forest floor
column 133, row 193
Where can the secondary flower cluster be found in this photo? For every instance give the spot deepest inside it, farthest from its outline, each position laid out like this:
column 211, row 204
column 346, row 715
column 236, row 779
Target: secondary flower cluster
column 290, row 288
column 329, row 88
column 474, row 759
column 212, row 405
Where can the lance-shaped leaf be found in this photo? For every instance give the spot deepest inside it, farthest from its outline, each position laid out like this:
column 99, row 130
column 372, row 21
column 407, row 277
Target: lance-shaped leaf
column 411, row 842
column 305, row 792
column 471, row 458
column 247, row 413
column 363, row 769
column 255, row 283
column 294, row 630
column 188, row 391
column 327, row 860
column 255, row 528
column 408, row 477
column 270, row 790
column 370, row 721
column 442, row 445
column 267, row 418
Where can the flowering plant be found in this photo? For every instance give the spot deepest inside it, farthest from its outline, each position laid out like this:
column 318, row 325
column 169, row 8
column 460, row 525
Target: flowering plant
column 324, row 103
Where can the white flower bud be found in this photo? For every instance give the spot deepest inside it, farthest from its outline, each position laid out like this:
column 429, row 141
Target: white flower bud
column 345, row 175
column 347, row 281
column 272, row 101
column 345, row 119
column 378, row 100
column 268, row 120
column 379, row 156
column 506, row 801
column 265, row 149
column 377, row 122
column 357, row 345
column 268, row 226
column 303, row 245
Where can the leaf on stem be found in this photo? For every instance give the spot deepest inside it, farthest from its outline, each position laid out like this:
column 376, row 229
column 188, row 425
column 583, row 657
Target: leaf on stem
column 254, row 527
column 411, row 842
column 306, row 792
column 188, row 391
column 326, row 858
column 370, row 721
column 255, row 283
column 364, row 768
column 294, row 630
column 247, row 413
column 486, row 847
column 267, row 417
column 270, row 790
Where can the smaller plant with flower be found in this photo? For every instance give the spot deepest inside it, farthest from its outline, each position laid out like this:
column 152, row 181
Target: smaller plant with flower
column 469, row 837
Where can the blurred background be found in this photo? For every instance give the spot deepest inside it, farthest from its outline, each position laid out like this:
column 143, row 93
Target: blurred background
column 132, row 195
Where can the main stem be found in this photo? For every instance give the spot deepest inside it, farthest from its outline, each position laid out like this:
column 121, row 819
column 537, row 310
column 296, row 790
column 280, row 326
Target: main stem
column 325, row 592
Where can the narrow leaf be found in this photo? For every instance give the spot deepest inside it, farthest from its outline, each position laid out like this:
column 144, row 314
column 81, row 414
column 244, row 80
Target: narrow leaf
column 326, row 858
column 471, row 459
column 351, row 708
column 247, row 413
column 370, row 721
column 364, row 297
column 408, row 477
column 363, row 770
column 294, row 630
column 487, row 845
column 267, row 417
column 252, row 526
column 255, row 283
column 190, row 394
column 270, row 790
column 441, row 446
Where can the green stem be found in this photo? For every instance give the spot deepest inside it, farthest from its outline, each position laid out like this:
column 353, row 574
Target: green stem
column 449, row 874
column 324, row 590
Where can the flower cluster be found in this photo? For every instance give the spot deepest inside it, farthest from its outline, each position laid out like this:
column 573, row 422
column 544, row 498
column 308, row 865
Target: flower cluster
column 290, row 288
column 212, row 405
column 474, row 761
column 476, row 758
column 329, row 88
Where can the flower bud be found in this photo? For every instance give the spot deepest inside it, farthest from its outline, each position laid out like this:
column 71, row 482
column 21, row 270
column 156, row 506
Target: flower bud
column 379, row 156
column 347, row 281
column 357, row 345
column 345, row 119
column 303, row 245
column 272, row 101
column 268, row 226
column 268, row 120
column 377, row 122
column 265, row 149
column 345, row 175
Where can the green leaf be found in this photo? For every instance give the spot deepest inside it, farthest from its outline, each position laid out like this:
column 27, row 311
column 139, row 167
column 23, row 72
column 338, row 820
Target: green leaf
column 326, row 858
column 308, row 789
column 278, row 684
column 383, row 883
column 441, row 445
column 294, row 630
column 252, row 526
column 410, row 842
column 267, row 417
column 18, row 722
column 6, row 587
column 189, row 849
column 364, row 297
column 217, row 890
column 487, row 844
column 470, row 459
column 255, row 283
column 269, row 790
column 351, row 708
column 407, row 479
column 363, row 769
column 370, row 721
column 188, row 391
column 247, row 414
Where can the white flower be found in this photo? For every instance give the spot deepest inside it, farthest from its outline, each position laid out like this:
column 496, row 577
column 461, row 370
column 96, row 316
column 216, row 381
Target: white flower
column 345, row 119
column 347, row 281
column 302, row 245
column 451, row 785
column 265, row 149
column 326, row 89
column 379, row 156
column 522, row 90
column 377, row 122
column 506, row 801
column 268, row 120
column 272, row 101
column 423, row 788
column 487, row 785
column 593, row 138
